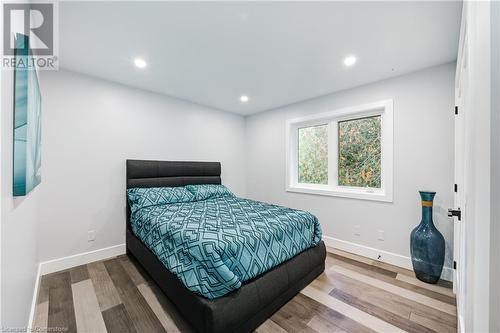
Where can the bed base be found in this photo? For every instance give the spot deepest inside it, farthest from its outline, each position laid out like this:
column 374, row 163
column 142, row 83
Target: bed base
column 244, row 309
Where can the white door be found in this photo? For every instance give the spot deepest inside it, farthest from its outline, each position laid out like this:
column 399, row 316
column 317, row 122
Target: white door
column 460, row 224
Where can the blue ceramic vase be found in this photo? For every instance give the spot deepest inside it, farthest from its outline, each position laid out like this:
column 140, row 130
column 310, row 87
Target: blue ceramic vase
column 427, row 244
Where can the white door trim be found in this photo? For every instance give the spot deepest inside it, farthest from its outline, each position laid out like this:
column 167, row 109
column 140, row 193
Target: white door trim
column 459, row 257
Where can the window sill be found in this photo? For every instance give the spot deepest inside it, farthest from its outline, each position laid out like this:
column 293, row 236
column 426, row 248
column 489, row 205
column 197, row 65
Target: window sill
column 343, row 193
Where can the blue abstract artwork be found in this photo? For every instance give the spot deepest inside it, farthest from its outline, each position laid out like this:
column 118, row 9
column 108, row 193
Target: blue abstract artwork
column 27, row 122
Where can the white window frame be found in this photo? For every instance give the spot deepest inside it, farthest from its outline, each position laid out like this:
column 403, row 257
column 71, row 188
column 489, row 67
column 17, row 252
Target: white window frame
column 384, row 109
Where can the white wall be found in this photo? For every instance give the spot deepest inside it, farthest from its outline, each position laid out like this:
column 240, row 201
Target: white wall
column 478, row 180
column 495, row 165
column 19, row 225
column 423, row 160
column 90, row 127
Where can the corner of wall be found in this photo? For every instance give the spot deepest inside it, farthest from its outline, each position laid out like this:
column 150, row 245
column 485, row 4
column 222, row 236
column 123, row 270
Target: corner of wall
column 18, row 225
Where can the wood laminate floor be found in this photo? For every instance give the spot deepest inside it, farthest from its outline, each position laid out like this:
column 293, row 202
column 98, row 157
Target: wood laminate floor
column 354, row 294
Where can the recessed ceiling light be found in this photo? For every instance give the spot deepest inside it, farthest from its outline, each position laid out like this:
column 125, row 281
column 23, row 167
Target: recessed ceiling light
column 244, row 98
column 140, row 63
column 349, row 60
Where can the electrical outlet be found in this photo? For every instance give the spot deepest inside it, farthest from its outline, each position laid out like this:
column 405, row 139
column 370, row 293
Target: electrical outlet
column 357, row 230
column 380, row 235
column 91, row 236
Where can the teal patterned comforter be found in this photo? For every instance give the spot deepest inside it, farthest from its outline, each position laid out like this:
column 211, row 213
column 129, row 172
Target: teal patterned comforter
column 216, row 244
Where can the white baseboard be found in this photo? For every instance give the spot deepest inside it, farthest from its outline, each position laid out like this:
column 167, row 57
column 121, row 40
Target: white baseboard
column 60, row 264
column 380, row 255
column 33, row 301
column 55, row 265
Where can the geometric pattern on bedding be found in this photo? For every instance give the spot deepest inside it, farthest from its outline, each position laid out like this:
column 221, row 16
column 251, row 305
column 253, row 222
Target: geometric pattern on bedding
column 139, row 197
column 215, row 245
column 208, row 191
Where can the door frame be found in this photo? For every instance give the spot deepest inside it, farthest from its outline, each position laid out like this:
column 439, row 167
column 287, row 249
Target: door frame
column 459, row 228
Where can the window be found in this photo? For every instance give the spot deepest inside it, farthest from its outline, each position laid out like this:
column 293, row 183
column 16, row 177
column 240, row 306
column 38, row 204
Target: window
column 313, row 154
column 345, row 153
column 360, row 152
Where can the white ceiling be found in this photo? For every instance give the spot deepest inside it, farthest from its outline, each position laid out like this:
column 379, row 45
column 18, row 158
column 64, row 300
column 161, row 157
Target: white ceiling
column 276, row 53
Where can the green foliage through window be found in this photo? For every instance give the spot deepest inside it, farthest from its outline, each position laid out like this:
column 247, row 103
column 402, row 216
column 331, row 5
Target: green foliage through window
column 313, row 155
column 360, row 152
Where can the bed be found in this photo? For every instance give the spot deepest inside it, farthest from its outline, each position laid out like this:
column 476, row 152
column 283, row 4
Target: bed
column 255, row 300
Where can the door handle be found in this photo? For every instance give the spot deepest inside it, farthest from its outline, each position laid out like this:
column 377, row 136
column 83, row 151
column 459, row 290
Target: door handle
column 455, row 212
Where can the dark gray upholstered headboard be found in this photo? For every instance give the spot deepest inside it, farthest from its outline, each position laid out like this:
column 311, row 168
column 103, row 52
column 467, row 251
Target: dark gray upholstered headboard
column 141, row 173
